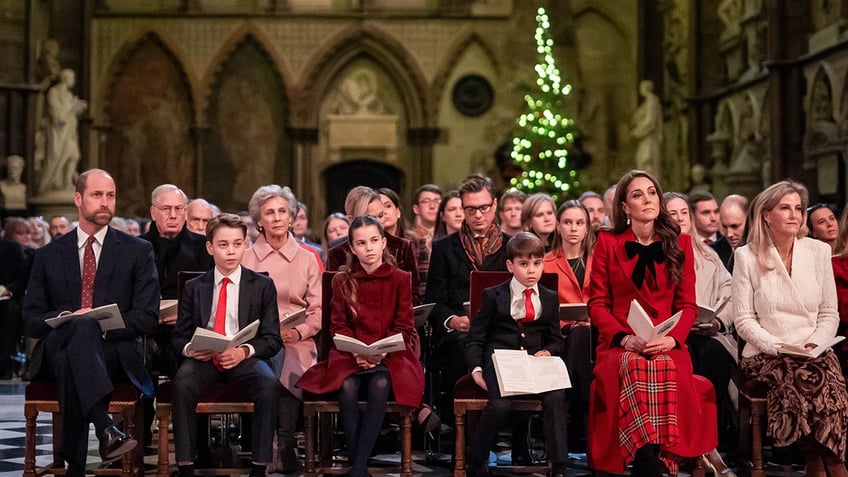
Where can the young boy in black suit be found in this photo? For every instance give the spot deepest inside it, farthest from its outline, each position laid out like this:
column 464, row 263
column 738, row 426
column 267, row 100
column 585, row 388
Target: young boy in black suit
column 518, row 314
column 226, row 299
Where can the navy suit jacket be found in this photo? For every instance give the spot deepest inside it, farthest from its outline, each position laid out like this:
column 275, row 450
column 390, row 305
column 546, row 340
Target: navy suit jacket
column 494, row 327
column 126, row 275
column 257, row 301
column 449, row 278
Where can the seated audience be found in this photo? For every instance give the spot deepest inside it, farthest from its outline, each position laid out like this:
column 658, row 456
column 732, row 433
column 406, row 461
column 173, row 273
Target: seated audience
column 300, row 227
column 392, row 219
column 59, row 225
column 840, row 276
column 198, row 213
column 732, row 218
column 40, row 232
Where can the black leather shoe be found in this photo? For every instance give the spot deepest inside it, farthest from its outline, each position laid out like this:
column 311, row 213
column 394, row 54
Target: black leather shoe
column 521, row 459
column 114, row 444
column 477, row 471
column 288, row 460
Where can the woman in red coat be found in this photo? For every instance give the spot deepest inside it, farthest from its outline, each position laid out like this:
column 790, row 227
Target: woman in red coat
column 646, row 405
column 371, row 300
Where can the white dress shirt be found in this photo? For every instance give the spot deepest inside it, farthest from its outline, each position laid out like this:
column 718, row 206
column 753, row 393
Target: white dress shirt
column 97, row 246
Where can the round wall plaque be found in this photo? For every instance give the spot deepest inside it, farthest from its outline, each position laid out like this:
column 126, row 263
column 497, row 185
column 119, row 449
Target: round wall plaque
column 473, row 95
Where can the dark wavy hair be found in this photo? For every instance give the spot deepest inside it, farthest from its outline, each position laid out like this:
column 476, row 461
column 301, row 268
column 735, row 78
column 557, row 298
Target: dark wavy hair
column 345, row 278
column 664, row 225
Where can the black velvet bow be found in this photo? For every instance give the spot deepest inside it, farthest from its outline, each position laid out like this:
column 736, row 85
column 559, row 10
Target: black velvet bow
column 648, row 255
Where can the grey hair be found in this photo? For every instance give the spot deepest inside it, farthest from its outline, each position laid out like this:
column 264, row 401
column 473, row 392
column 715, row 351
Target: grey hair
column 266, row 192
column 159, row 190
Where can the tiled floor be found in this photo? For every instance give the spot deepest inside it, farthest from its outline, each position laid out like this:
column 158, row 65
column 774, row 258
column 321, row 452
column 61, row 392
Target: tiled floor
column 12, row 444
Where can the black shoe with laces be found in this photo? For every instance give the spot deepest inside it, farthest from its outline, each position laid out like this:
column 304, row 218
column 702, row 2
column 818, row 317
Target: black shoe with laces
column 114, row 443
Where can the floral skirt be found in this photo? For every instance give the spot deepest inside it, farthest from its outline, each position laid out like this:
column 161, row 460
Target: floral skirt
column 806, row 397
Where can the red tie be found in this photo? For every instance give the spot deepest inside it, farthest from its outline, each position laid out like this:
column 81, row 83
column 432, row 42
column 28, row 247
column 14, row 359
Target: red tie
column 221, row 316
column 530, row 312
column 89, row 271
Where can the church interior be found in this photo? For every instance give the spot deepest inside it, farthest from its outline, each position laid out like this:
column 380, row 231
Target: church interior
column 220, row 97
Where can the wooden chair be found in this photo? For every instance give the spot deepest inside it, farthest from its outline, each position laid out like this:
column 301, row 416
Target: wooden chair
column 323, row 406
column 468, row 396
column 221, row 399
column 40, row 396
column 752, row 412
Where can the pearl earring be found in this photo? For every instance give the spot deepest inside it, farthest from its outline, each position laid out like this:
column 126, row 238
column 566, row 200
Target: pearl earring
column 628, row 220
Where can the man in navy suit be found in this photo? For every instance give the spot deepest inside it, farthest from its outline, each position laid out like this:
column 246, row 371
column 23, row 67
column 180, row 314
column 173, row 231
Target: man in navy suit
column 92, row 266
column 226, row 299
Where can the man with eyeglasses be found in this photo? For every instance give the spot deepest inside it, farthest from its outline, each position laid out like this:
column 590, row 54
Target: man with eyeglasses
column 479, row 245
column 426, row 210
column 176, row 249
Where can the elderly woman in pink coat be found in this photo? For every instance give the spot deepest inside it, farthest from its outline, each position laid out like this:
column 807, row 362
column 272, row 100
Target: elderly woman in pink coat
column 297, row 275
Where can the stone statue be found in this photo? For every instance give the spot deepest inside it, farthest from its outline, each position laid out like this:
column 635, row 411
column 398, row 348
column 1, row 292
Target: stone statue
column 699, row 179
column 730, row 14
column 12, row 190
column 647, row 129
column 358, row 94
column 62, row 152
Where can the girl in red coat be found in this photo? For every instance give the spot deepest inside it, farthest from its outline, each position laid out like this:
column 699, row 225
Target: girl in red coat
column 646, row 406
column 372, row 299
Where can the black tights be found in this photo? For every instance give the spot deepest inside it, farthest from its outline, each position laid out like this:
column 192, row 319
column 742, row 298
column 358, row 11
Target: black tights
column 646, row 462
column 361, row 429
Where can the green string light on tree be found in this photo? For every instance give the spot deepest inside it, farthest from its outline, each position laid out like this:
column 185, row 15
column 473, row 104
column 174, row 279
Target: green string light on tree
column 539, row 144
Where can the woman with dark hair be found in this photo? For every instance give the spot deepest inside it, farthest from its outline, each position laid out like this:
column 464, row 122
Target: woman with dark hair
column 450, row 215
column 784, row 294
column 392, row 219
column 646, row 405
column 371, row 300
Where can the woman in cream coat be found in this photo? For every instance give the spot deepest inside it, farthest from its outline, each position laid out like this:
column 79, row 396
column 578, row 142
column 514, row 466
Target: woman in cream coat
column 784, row 293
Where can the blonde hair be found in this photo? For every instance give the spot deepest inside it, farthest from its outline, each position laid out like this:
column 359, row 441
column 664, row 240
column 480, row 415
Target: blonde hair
column 357, row 200
column 759, row 239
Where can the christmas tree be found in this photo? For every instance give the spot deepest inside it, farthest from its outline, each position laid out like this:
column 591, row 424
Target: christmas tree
column 543, row 134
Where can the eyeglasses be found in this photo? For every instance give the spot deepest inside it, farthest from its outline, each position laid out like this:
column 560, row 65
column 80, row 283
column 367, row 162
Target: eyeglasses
column 483, row 209
column 168, row 209
column 430, row 201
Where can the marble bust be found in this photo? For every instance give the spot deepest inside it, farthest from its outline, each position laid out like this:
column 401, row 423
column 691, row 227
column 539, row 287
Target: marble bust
column 12, row 189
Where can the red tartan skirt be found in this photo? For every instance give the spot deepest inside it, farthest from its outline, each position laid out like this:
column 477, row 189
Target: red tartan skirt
column 635, row 401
